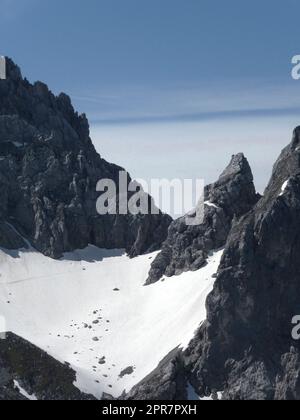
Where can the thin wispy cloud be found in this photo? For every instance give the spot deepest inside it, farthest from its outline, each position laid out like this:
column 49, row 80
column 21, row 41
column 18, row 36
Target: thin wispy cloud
column 134, row 104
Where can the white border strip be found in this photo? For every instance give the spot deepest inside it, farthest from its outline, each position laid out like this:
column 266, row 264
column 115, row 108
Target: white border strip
column 2, row 68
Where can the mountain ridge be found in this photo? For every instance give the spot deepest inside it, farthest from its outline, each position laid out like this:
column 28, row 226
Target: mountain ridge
column 49, row 170
column 245, row 348
column 187, row 247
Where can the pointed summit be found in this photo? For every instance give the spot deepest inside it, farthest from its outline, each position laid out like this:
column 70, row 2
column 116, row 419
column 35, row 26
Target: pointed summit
column 238, row 164
column 49, row 170
column 13, row 72
column 255, row 297
column 286, row 167
column 187, row 247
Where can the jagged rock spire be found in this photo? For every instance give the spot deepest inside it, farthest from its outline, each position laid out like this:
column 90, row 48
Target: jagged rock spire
column 187, row 247
column 246, row 347
column 13, row 72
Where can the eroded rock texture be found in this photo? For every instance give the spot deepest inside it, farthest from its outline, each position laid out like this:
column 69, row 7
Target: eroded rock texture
column 48, row 175
column 187, row 247
column 35, row 372
column 245, row 348
column 168, row 382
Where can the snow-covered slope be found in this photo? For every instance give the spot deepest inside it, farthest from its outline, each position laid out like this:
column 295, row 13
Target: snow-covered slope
column 92, row 310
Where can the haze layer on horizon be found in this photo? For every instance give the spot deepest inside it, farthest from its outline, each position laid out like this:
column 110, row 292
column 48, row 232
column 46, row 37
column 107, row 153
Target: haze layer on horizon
column 171, row 88
column 195, row 150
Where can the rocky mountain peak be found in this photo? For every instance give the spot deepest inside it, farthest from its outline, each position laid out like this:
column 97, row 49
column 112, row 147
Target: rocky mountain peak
column 38, row 113
column 49, row 170
column 296, row 138
column 285, row 169
column 187, row 247
column 255, row 297
column 245, row 350
column 13, row 72
column 234, row 191
column 238, row 164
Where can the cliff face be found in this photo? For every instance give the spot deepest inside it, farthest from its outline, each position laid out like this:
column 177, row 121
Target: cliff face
column 168, row 382
column 48, row 175
column 245, row 349
column 24, row 367
column 246, row 346
column 187, row 247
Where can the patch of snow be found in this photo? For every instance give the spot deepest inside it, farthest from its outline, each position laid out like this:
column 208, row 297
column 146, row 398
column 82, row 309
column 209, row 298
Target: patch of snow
column 210, row 204
column 69, row 308
column 206, row 398
column 219, row 397
column 283, row 188
column 24, row 393
column 193, row 396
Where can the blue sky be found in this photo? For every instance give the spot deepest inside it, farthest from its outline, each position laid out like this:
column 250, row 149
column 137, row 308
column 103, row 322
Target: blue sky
column 201, row 78
column 161, row 59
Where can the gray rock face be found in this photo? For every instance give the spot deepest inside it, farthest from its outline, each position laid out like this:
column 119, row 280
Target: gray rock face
column 287, row 385
column 167, row 383
column 36, row 372
column 246, row 347
column 187, row 247
column 7, row 388
column 48, row 175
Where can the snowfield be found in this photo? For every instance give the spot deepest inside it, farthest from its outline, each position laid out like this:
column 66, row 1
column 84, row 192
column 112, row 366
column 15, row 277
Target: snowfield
column 92, row 310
